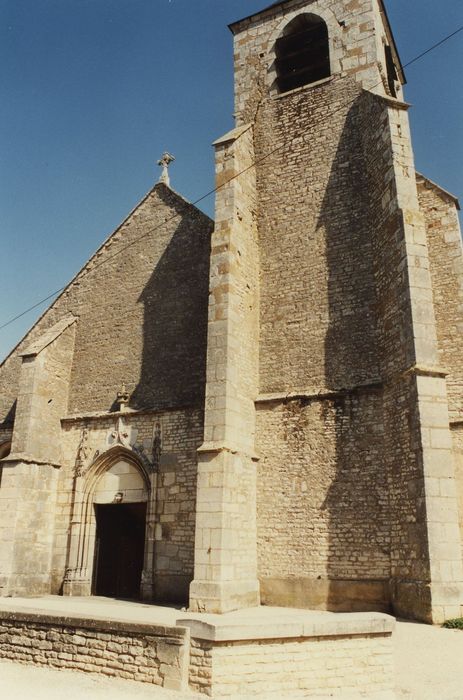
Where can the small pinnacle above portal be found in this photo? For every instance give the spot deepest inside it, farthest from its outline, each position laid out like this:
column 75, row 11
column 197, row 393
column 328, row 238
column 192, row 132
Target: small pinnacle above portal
column 164, row 162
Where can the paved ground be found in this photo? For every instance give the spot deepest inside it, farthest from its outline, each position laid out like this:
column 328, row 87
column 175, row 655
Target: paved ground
column 429, row 661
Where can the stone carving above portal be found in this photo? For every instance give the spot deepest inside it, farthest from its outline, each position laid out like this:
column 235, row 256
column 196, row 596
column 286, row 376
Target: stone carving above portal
column 83, row 454
column 157, row 445
column 121, row 435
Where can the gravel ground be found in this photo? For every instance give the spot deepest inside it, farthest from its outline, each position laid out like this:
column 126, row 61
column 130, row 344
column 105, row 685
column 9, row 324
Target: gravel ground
column 429, row 666
column 429, row 662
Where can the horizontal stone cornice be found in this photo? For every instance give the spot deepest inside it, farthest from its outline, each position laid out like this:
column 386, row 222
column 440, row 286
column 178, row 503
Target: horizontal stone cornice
column 29, row 459
column 100, row 415
column 217, row 447
column 321, row 395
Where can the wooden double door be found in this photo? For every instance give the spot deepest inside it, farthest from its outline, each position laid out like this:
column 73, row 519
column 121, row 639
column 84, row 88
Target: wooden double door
column 119, row 549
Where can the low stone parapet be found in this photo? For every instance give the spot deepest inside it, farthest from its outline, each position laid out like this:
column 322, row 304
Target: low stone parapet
column 260, row 652
column 348, row 655
column 147, row 653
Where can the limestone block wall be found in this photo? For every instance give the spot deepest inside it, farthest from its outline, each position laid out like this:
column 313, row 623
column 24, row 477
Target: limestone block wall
column 217, row 657
column 27, row 506
column 457, row 445
column 318, row 344
column 446, row 267
column 135, row 315
column 323, row 503
column 43, row 395
column 29, row 474
column 425, row 547
column 225, row 556
column 5, row 445
column 317, row 310
column 148, row 653
column 270, row 668
column 346, row 302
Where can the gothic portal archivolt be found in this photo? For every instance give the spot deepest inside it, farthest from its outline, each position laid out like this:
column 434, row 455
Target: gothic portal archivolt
column 111, row 537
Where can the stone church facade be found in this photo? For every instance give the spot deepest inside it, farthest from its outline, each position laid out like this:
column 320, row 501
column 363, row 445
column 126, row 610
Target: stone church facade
column 268, row 407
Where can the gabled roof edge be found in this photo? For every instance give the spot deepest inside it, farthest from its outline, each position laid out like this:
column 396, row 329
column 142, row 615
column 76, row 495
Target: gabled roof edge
column 435, row 186
column 158, row 185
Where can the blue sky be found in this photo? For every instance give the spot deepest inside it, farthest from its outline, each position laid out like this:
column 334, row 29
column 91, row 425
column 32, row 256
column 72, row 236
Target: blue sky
column 93, row 91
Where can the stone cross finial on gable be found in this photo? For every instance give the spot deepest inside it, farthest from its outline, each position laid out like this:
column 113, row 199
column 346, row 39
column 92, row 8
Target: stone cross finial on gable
column 165, row 161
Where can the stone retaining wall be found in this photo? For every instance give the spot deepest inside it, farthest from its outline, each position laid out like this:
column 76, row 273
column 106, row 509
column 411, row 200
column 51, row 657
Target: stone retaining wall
column 267, row 654
column 272, row 668
column 311, row 654
column 147, row 653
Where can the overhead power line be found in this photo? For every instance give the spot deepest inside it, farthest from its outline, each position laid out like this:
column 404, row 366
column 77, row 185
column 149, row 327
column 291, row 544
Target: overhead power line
column 216, row 189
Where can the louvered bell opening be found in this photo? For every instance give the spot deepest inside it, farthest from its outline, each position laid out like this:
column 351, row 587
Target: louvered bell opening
column 302, row 55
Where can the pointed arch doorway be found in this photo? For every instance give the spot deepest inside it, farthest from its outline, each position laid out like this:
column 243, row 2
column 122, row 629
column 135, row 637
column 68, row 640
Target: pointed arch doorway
column 119, row 549
column 111, row 544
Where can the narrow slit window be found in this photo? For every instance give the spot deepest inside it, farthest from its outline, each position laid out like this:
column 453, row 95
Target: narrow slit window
column 391, row 71
column 302, row 53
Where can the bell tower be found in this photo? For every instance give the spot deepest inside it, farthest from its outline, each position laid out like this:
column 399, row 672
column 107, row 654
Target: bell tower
column 326, row 426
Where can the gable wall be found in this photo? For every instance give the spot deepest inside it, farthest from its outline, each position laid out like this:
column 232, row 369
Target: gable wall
column 142, row 315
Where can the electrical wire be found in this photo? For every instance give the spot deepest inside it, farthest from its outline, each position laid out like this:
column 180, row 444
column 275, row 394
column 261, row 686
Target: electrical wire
column 213, row 191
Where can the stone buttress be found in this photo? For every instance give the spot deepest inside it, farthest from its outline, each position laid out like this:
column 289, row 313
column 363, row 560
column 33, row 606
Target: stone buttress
column 225, row 540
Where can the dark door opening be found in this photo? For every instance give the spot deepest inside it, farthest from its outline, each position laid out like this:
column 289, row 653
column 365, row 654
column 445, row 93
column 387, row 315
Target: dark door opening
column 119, row 549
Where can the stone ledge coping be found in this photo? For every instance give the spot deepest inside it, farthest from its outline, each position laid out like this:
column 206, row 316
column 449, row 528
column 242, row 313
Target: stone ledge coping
column 221, row 446
column 425, row 371
column 29, row 459
column 391, row 101
column 301, row 88
column 48, row 337
column 216, row 628
column 95, row 623
column 129, row 412
column 232, row 135
column 321, row 395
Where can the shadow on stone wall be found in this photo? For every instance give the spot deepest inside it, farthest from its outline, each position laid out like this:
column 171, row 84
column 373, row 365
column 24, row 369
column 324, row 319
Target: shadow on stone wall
column 358, row 563
column 175, row 300
column 8, row 422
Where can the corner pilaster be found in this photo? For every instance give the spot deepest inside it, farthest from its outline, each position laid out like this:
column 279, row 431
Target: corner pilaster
column 30, row 472
column 225, row 545
column 427, row 573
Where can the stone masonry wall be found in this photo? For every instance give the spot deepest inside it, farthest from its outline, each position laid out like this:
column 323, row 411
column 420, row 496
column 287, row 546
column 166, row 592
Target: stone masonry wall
column 457, row 444
column 150, row 654
column 317, row 287
column 138, row 310
column 142, row 315
column 226, row 556
column 27, row 505
column 346, row 296
column 446, row 265
column 329, row 666
column 425, row 545
column 323, row 506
